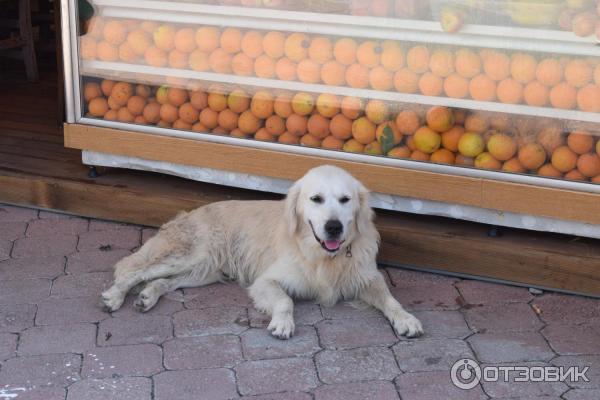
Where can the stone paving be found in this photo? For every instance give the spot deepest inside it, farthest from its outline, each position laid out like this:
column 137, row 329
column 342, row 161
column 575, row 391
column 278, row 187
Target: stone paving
column 209, row 343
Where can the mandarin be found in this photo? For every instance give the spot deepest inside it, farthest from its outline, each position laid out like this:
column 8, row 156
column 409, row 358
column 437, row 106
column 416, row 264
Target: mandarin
column 333, row 73
column 341, row 127
column 264, row 67
column 332, row 143
column 430, row 84
column 563, row 96
column 274, row 44
column 441, row 63
column 308, row 71
column 456, row 86
column 407, row 122
column 231, row 40
column 549, row 72
column 344, row 51
column 535, row 94
column 381, row 79
column 392, row 56
column 185, row 40
column 297, row 124
column 523, row 67
column 482, row 88
column 296, row 46
column 252, row 44
column 357, row 76
column 496, row 65
column 406, row 81
column 578, row 73
column 417, row 59
column 285, row 69
column 467, row 63
column 509, row 91
column 242, row 65
column 207, row 38
column 320, row 50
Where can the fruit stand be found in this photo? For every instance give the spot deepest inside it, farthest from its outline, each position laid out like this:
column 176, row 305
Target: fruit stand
column 480, row 110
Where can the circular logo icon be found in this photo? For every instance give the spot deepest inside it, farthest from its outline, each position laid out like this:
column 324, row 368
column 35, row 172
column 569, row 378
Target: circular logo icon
column 465, row 374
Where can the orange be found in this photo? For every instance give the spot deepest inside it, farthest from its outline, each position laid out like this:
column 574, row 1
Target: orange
column 363, row 130
column 456, row 86
column 199, row 60
column 262, row 104
column 114, row 32
column 164, row 37
column 341, row 127
column 227, row 119
column 439, row 118
column 140, row 120
column 550, row 137
column 238, row 134
column 430, row 84
column 238, row 101
column 408, row 122
column 220, row 61
column 536, row 94
column 563, row 96
column 441, row 63
column 248, row 122
column 387, row 134
column 242, row 65
column 442, row 156
column 368, row 54
column 410, row 143
column 575, row 175
column 199, row 99
column 149, row 26
column 532, row 156
column 392, row 56
column 523, row 67
column 164, row 124
column 513, row 165
column 94, row 27
column 406, row 81
column 548, row 170
column 285, row 69
column 588, row 98
column 352, row 107
column 207, row 38
column 417, row 59
column 217, row 131
column 91, row 91
column 209, row 118
column 283, row 106
column 328, row 105
column 217, row 101
column 143, row 90
column 377, row 111
column 303, row 103
column 155, row 57
column 177, row 96
column 464, row 160
column 333, row 73
column 471, row 144
column 427, row 140
column 308, row 71
column 482, row 88
column 460, row 115
column 353, row 146
column 597, row 74
column 451, row 137
column 310, row 141
column 113, row 104
column 564, row 159
column 275, row 125
column 357, row 76
column 126, row 54
column 107, row 52
column 467, row 63
column 288, row 138
column 549, row 72
column 496, row 65
column 589, row 165
column 418, row 155
column 399, row 152
column 231, row 40
column 169, row 113
column 264, row 67
column 87, row 48
column 595, row 179
column 121, row 92
column 188, row 114
column 381, row 79
column 185, row 40
column 318, row 126
column 580, row 142
column 344, row 51
column 297, row 124
column 98, row 107
column 578, row 73
column 182, row 125
column 274, row 44
column 136, row 105
column 123, row 115
column 502, row 147
column 178, row 59
column 486, row 161
column 509, row 91
column 374, row 149
column 332, row 143
column 252, row 44
column 263, row 136
column 320, row 50
column 296, row 46
column 152, row 113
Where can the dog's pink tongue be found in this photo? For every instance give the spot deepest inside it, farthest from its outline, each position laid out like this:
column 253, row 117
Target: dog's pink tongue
column 332, row 244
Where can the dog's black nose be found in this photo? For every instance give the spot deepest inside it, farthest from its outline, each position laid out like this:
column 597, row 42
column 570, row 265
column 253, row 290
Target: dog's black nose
column 333, row 227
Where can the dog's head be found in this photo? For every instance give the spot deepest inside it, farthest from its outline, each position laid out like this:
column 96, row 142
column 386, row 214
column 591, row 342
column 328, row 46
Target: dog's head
column 329, row 204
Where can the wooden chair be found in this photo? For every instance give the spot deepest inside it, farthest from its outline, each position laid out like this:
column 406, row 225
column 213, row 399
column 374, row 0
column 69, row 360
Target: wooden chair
column 24, row 40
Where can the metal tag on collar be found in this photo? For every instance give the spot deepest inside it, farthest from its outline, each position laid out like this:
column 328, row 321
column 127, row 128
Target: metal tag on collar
column 349, row 251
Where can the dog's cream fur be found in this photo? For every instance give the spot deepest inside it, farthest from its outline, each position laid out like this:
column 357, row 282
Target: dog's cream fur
column 269, row 247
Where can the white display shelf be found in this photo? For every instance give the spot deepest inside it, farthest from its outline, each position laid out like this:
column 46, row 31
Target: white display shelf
column 500, row 37
column 157, row 76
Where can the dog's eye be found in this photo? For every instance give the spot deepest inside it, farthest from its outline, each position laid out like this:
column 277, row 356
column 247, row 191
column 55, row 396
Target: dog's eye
column 344, row 199
column 317, row 199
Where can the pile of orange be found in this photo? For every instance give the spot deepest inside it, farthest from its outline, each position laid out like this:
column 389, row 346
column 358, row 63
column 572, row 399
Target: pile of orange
column 438, row 134
column 483, row 75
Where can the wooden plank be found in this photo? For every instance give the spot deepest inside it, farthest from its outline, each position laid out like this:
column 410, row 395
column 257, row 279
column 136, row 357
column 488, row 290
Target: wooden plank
column 502, row 196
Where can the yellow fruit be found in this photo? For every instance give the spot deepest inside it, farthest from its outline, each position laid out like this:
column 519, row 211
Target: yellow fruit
column 427, row 140
column 502, row 147
column 303, row 103
column 363, row 130
column 377, row 111
column 471, row 144
column 328, row 105
column 487, row 161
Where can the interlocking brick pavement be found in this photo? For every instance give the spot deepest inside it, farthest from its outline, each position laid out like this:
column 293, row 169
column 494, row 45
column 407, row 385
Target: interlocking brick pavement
column 210, row 343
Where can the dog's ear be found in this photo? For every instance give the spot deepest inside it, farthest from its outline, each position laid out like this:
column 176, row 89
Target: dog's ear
column 290, row 213
column 365, row 215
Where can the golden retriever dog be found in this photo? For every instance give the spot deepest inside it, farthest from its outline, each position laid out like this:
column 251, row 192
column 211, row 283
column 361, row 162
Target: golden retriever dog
column 318, row 243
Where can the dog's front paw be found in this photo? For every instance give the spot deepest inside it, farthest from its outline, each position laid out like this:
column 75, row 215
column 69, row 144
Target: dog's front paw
column 112, row 299
column 407, row 325
column 282, row 327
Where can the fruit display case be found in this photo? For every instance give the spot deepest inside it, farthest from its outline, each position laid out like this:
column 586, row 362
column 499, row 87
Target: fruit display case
column 487, row 122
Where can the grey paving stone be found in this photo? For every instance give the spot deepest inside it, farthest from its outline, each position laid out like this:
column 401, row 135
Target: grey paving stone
column 66, row 338
column 44, row 246
column 16, row 214
column 434, row 385
column 51, row 214
column 109, row 239
column 503, row 317
column 81, row 285
column 510, row 347
column 573, row 340
column 55, row 311
column 12, row 230
column 224, row 294
column 477, row 292
column 133, row 360
column 143, row 329
column 27, row 268
column 94, row 260
column 102, row 225
column 24, row 291
column 512, row 389
column 214, row 384
column 43, row 393
column 210, row 321
column 593, row 373
column 148, row 233
column 430, row 355
column 113, row 389
column 374, row 390
column 442, row 324
column 582, row 394
column 271, row 376
column 40, row 371
column 563, row 309
column 16, row 317
column 342, row 333
column 305, row 313
column 8, row 345
column 202, row 352
column 5, row 249
column 437, row 296
column 346, row 310
column 406, row 278
column 362, row 364
column 281, row 396
column 49, row 227
column 259, row 344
